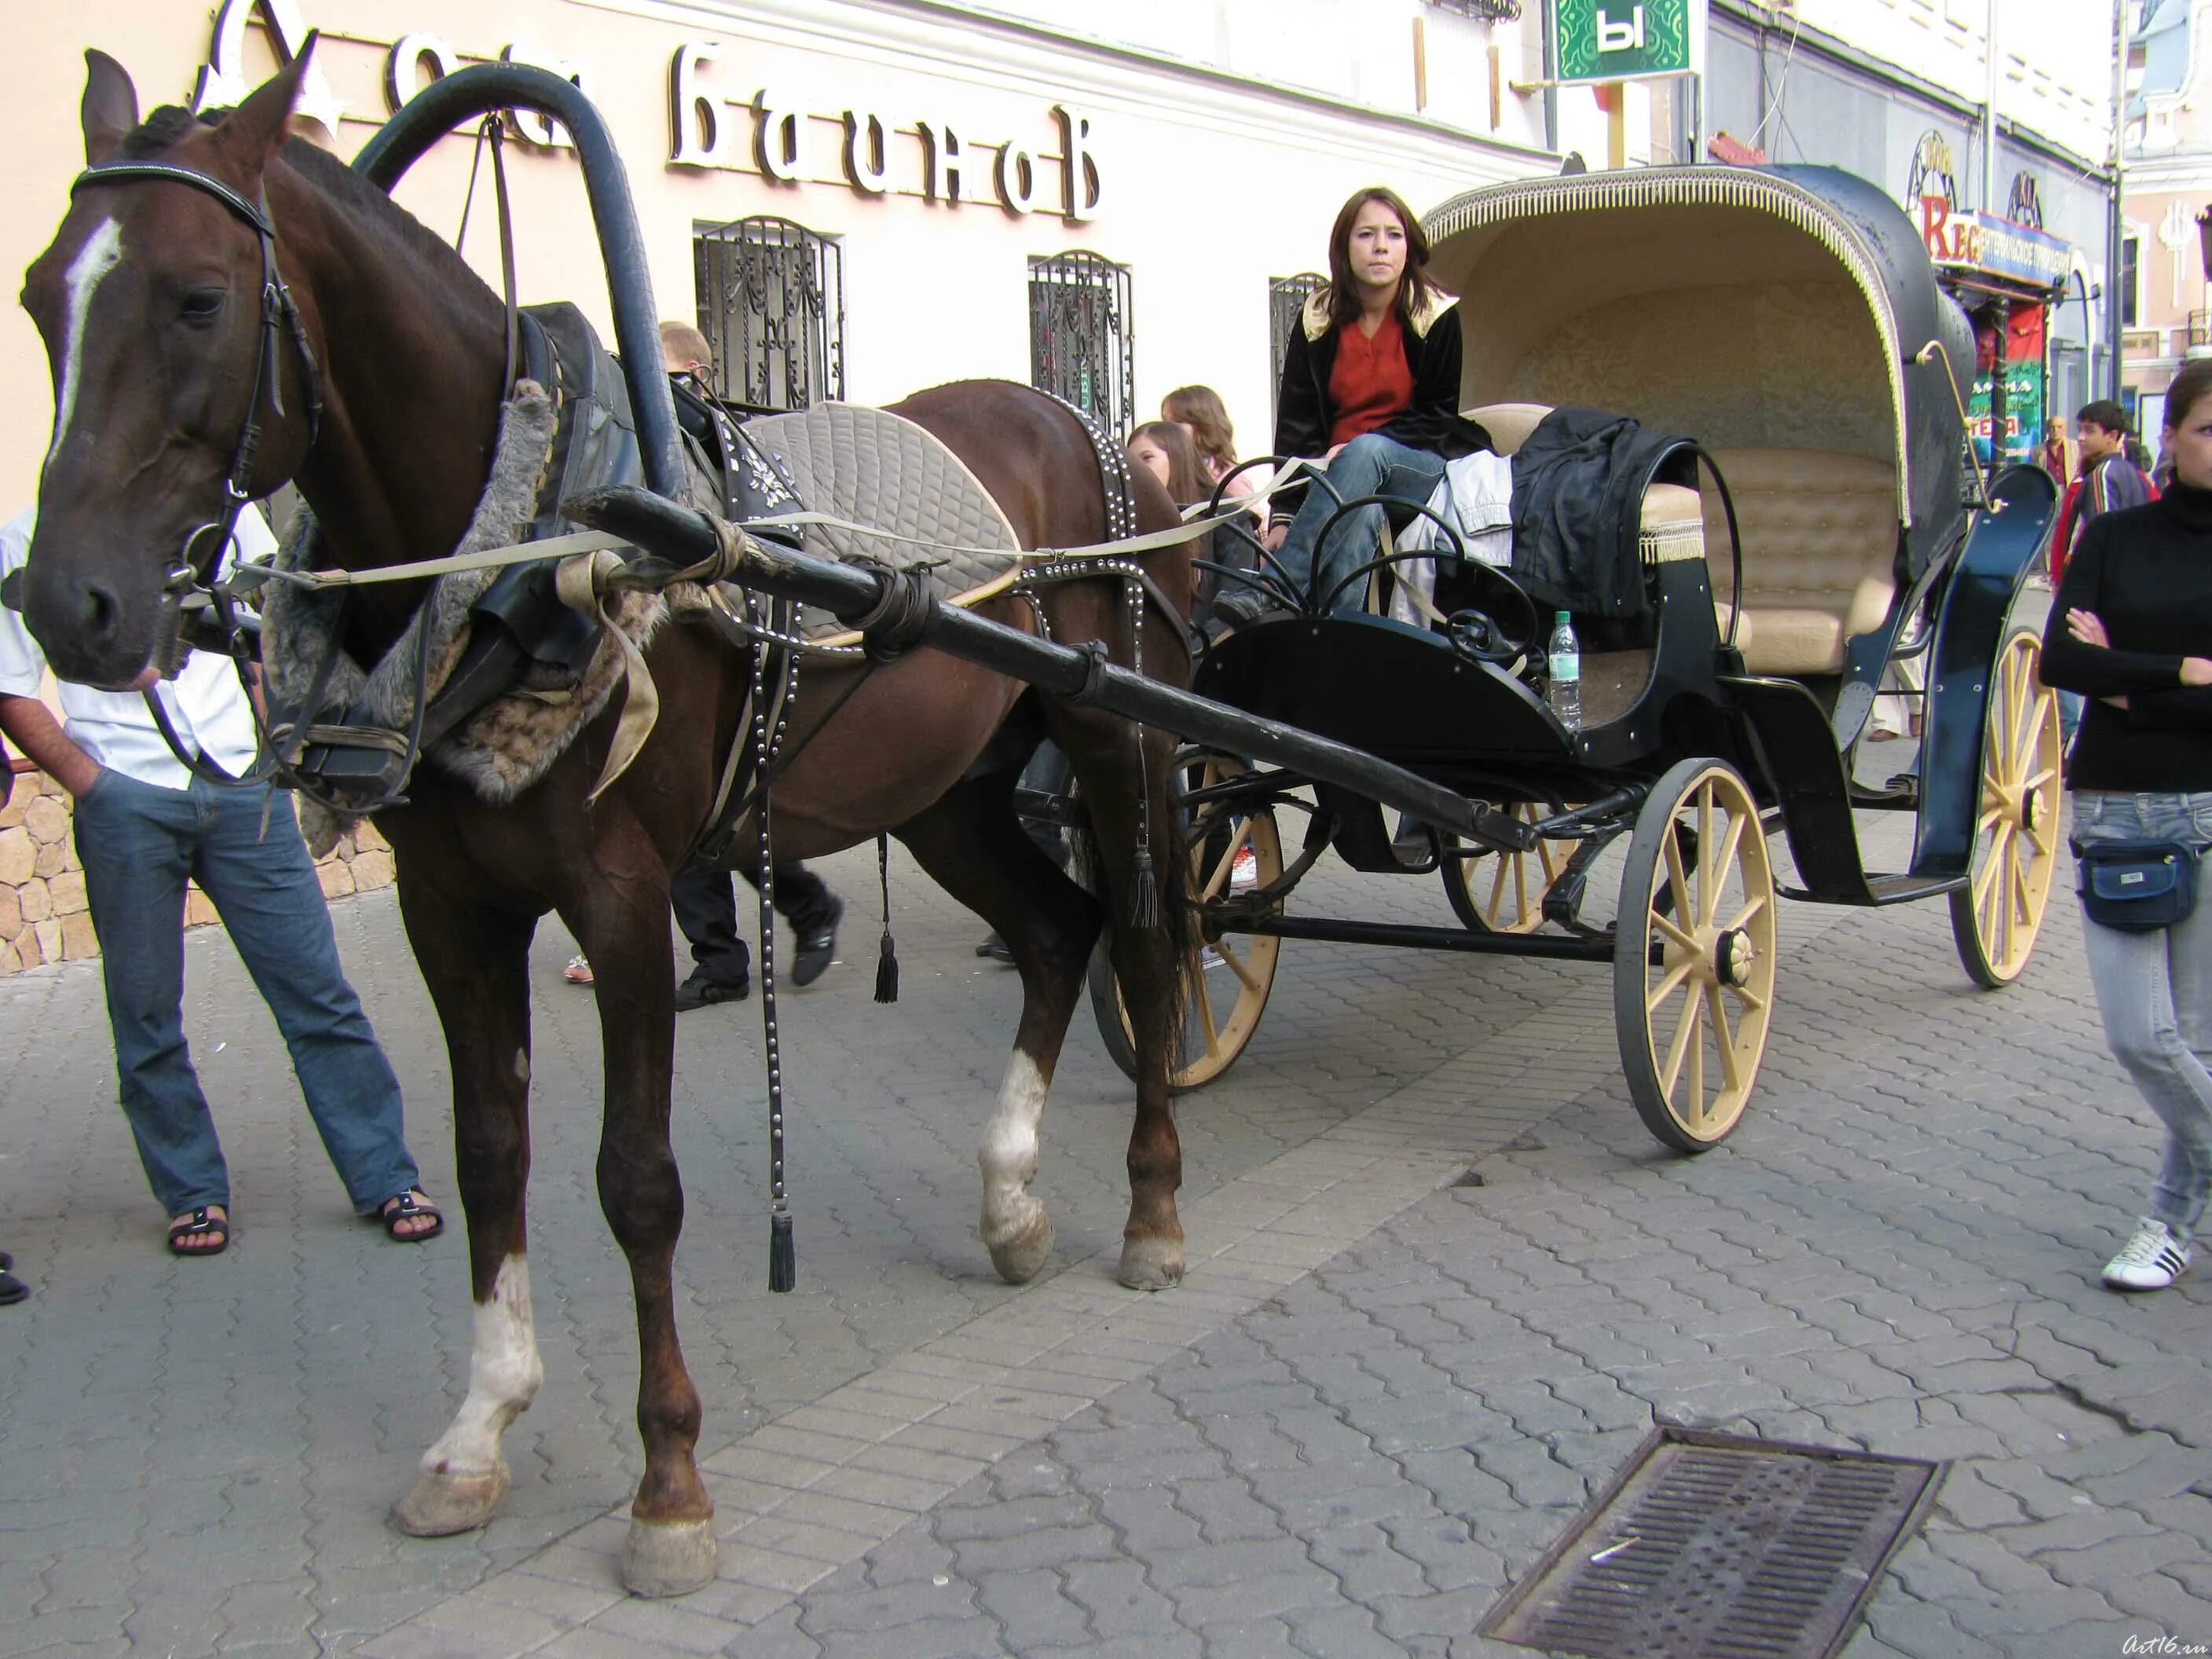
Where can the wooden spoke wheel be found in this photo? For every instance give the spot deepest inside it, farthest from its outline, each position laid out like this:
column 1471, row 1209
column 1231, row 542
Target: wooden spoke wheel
column 1233, row 852
column 1694, row 955
column 1504, row 892
column 1995, row 918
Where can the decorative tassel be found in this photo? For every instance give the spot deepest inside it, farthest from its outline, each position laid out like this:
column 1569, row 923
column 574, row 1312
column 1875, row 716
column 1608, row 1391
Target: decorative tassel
column 886, row 969
column 782, row 1255
column 1144, row 905
column 886, row 953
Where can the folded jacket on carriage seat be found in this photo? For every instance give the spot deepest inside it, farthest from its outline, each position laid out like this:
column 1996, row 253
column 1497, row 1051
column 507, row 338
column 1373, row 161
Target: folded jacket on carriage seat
column 1475, row 495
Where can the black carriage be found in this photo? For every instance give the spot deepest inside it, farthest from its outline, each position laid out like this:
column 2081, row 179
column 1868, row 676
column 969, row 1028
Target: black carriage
column 1824, row 536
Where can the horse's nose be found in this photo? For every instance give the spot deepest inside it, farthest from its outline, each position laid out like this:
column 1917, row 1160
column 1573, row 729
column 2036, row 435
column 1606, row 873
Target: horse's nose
column 97, row 613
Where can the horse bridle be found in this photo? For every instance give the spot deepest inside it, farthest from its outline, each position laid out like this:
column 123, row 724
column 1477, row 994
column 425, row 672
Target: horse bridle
column 201, row 556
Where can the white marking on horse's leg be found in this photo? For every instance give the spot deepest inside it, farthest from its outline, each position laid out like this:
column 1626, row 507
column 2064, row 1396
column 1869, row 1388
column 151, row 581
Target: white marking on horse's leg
column 504, row 1372
column 464, row 1475
column 1015, row 1228
column 101, row 252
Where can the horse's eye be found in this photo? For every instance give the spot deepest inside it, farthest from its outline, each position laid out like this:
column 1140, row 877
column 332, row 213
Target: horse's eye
column 201, row 305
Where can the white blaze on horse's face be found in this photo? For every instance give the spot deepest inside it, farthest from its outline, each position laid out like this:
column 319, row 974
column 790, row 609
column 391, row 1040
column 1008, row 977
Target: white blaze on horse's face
column 101, row 252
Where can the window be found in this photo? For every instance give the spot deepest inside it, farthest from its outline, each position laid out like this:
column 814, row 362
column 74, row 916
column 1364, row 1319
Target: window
column 772, row 305
column 1080, row 336
column 1286, row 297
column 2131, row 278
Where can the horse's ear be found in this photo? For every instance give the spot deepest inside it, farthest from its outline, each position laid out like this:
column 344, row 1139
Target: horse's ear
column 252, row 132
column 109, row 107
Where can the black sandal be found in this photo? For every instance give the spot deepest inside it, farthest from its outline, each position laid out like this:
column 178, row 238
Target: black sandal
column 396, row 1209
column 200, row 1225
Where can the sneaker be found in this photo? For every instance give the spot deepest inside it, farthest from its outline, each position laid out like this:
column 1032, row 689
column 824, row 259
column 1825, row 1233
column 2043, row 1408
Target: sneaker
column 817, row 944
column 1244, row 873
column 579, row 970
column 2151, row 1261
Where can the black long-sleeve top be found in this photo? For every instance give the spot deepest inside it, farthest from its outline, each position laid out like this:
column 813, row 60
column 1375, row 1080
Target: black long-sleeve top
column 2146, row 573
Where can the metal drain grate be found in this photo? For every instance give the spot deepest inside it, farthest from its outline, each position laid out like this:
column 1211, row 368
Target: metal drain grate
column 1718, row 1547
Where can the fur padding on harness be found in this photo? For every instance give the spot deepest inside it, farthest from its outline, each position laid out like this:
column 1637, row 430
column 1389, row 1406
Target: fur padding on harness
column 511, row 743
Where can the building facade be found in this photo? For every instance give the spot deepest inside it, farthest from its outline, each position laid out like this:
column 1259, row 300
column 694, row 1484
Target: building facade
column 2165, row 304
column 1910, row 93
column 860, row 198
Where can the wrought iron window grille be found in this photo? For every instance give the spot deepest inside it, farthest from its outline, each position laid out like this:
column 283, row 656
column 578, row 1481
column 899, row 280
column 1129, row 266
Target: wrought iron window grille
column 771, row 297
column 1287, row 298
column 1490, row 11
column 1082, row 343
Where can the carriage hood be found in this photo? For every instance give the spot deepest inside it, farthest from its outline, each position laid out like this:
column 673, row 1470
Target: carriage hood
column 1769, row 308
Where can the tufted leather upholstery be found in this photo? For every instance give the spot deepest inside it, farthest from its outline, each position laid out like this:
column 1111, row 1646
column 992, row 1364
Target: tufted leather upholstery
column 1820, row 551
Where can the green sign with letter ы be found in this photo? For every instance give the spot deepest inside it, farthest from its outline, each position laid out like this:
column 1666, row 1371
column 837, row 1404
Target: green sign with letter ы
column 1618, row 39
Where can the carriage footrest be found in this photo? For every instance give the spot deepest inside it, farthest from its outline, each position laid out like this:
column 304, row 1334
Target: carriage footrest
column 1883, row 891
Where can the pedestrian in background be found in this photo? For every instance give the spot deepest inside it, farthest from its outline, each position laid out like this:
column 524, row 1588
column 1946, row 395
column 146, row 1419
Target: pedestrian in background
column 143, row 824
column 2058, row 450
column 2131, row 628
column 2106, row 482
column 704, row 897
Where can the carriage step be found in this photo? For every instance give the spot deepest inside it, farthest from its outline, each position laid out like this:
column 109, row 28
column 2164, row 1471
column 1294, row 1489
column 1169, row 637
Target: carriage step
column 1883, row 891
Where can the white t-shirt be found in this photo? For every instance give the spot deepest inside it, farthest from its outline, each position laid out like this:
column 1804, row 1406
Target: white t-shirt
column 206, row 706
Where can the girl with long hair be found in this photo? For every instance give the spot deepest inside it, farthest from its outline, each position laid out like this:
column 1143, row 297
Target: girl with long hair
column 1370, row 387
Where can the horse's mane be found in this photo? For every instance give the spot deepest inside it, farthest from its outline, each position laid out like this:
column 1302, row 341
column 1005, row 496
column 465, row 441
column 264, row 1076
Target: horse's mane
column 169, row 125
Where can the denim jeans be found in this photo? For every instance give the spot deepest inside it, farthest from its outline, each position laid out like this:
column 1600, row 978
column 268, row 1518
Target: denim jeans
column 138, row 842
column 2154, row 990
column 1370, row 464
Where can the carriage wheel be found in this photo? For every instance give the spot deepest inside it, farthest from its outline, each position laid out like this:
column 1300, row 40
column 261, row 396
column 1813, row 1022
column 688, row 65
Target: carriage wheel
column 1504, row 892
column 1230, row 980
column 1995, row 917
column 1694, row 955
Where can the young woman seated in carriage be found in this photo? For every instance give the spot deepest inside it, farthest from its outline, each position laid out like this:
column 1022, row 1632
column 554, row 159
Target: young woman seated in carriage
column 1371, row 391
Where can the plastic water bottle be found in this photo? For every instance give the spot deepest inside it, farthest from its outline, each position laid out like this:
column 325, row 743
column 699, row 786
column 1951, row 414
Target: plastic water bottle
column 1566, row 661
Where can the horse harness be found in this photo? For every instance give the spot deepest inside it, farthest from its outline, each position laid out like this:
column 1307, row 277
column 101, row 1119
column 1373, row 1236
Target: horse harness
column 193, row 577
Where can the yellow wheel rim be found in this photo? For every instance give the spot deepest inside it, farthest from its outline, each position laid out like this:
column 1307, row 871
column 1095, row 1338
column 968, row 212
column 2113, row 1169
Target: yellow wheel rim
column 1230, row 981
column 2016, row 822
column 1695, row 968
column 1504, row 892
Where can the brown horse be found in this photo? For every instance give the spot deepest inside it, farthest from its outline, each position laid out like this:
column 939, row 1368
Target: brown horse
column 150, row 302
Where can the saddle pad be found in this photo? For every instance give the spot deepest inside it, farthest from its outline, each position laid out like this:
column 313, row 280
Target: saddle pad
column 870, row 467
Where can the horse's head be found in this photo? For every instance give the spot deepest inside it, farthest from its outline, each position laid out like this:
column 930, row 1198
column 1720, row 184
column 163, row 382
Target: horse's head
column 150, row 301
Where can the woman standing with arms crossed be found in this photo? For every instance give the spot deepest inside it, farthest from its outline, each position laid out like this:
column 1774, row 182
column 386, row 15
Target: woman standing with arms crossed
column 2132, row 630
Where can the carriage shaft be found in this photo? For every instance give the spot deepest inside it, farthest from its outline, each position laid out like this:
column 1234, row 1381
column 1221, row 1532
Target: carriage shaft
column 685, row 537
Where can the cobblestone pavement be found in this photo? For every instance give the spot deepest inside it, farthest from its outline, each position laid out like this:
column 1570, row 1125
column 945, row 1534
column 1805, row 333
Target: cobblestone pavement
column 1382, row 1394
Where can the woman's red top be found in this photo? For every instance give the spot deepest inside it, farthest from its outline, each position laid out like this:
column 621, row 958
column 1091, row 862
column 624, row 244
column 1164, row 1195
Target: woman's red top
column 1371, row 380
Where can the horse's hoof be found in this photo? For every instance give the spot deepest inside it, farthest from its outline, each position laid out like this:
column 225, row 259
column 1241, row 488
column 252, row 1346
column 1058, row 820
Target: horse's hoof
column 668, row 1558
column 439, row 1503
column 1151, row 1264
column 1020, row 1258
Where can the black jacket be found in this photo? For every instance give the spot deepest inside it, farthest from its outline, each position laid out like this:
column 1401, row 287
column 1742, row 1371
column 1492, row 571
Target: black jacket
column 1578, row 484
column 1304, row 413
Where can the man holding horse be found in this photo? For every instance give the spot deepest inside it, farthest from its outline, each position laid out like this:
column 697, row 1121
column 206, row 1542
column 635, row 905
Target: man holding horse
column 145, row 822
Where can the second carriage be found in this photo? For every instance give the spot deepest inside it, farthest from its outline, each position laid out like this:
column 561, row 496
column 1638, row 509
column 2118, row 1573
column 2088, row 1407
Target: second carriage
column 1824, row 537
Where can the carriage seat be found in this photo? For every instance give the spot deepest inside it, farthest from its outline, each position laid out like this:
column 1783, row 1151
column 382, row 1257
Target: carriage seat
column 1819, row 540
column 1819, row 551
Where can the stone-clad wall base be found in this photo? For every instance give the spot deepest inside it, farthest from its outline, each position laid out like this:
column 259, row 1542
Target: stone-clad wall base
column 42, row 905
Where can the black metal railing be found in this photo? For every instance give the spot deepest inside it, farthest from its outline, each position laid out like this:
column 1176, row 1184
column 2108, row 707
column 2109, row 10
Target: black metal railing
column 1081, row 338
column 772, row 306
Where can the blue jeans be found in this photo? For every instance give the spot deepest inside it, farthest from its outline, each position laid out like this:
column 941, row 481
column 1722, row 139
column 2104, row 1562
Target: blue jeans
column 2154, row 990
column 138, row 842
column 1370, row 464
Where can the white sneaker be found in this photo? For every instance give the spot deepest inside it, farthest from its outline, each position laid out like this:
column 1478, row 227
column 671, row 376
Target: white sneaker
column 1244, row 873
column 2151, row 1261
